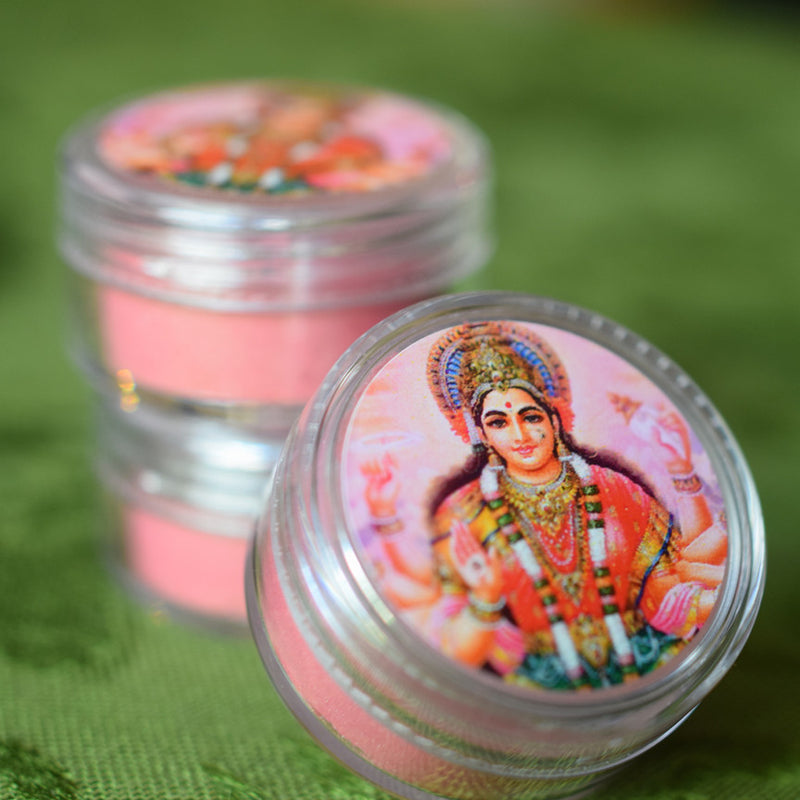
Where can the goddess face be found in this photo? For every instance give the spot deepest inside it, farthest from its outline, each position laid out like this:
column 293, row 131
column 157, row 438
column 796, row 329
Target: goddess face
column 521, row 432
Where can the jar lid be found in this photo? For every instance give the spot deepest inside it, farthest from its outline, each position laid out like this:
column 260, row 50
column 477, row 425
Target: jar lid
column 279, row 195
column 509, row 546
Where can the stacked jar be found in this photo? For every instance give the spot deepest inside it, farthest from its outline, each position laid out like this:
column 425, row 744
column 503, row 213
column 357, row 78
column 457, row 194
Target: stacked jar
column 227, row 244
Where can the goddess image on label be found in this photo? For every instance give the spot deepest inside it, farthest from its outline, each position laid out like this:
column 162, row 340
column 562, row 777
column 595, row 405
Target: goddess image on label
column 554, row 522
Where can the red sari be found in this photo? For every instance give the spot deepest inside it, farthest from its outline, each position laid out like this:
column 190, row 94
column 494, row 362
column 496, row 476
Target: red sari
column 642, row 547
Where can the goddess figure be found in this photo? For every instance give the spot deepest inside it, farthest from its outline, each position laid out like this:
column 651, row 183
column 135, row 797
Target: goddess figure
column 550, row 566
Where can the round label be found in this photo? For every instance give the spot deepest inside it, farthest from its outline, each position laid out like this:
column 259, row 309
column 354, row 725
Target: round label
column 534, row 506
column 277, row 139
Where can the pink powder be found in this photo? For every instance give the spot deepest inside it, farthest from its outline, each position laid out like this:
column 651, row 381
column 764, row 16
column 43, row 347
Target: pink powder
column 194, row 352
column 386, row 752
column 194, row 570
column 329, row 702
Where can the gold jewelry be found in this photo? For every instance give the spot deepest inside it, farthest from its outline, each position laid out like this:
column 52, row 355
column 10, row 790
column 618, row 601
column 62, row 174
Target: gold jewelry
column 385, row 526
column 547, row 504
column 470, row 360
column 486, row 612
column 687, row 484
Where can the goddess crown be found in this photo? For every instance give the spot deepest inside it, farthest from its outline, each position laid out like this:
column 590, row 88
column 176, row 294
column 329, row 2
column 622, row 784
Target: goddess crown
column 470, row 360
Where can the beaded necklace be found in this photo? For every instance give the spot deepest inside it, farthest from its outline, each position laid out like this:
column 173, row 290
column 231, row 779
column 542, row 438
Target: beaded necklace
column 552, row 508
column 571, row 575
column 591, row 507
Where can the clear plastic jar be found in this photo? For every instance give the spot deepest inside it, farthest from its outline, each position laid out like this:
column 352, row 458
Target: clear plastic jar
column 182, row 495
column 509, row 547
column 229, row 242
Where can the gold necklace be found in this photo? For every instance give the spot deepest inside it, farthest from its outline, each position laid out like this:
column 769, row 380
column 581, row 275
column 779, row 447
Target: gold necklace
column 546, row 505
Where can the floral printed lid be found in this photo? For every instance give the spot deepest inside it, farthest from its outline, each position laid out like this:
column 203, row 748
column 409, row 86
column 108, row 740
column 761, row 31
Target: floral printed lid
column 277, row 139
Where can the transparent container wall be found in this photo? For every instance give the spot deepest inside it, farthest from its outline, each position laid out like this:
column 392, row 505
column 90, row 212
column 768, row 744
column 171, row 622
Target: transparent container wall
column 182, row 494
column 402, row 754
column 174, row 559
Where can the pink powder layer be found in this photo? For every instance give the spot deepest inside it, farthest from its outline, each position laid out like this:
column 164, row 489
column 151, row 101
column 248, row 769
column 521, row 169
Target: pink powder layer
column 194, row 570
column 385, row 751
column 197, row 353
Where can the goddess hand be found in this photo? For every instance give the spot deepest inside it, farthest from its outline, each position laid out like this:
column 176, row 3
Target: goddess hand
column 482, row 572
column 672, row 436
column 382, row 487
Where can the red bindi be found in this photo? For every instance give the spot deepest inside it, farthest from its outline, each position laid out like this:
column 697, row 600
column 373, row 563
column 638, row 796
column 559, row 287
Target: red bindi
column 508, row 405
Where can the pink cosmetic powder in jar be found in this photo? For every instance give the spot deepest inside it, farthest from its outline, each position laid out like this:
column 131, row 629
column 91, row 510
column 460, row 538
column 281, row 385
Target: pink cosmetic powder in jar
column 509, row 546
column 228, row 242
column 182, row 493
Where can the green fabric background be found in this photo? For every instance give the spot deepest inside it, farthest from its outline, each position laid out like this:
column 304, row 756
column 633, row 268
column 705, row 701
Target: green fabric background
column 649, row 170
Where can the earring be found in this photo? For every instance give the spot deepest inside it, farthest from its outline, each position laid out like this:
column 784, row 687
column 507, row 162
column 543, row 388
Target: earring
column 494, row 459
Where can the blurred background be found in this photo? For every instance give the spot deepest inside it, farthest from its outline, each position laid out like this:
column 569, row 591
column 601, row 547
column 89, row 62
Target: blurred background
column 647, row 166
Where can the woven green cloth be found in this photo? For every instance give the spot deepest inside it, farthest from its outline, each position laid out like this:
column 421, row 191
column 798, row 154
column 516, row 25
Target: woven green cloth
column 648, row 170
